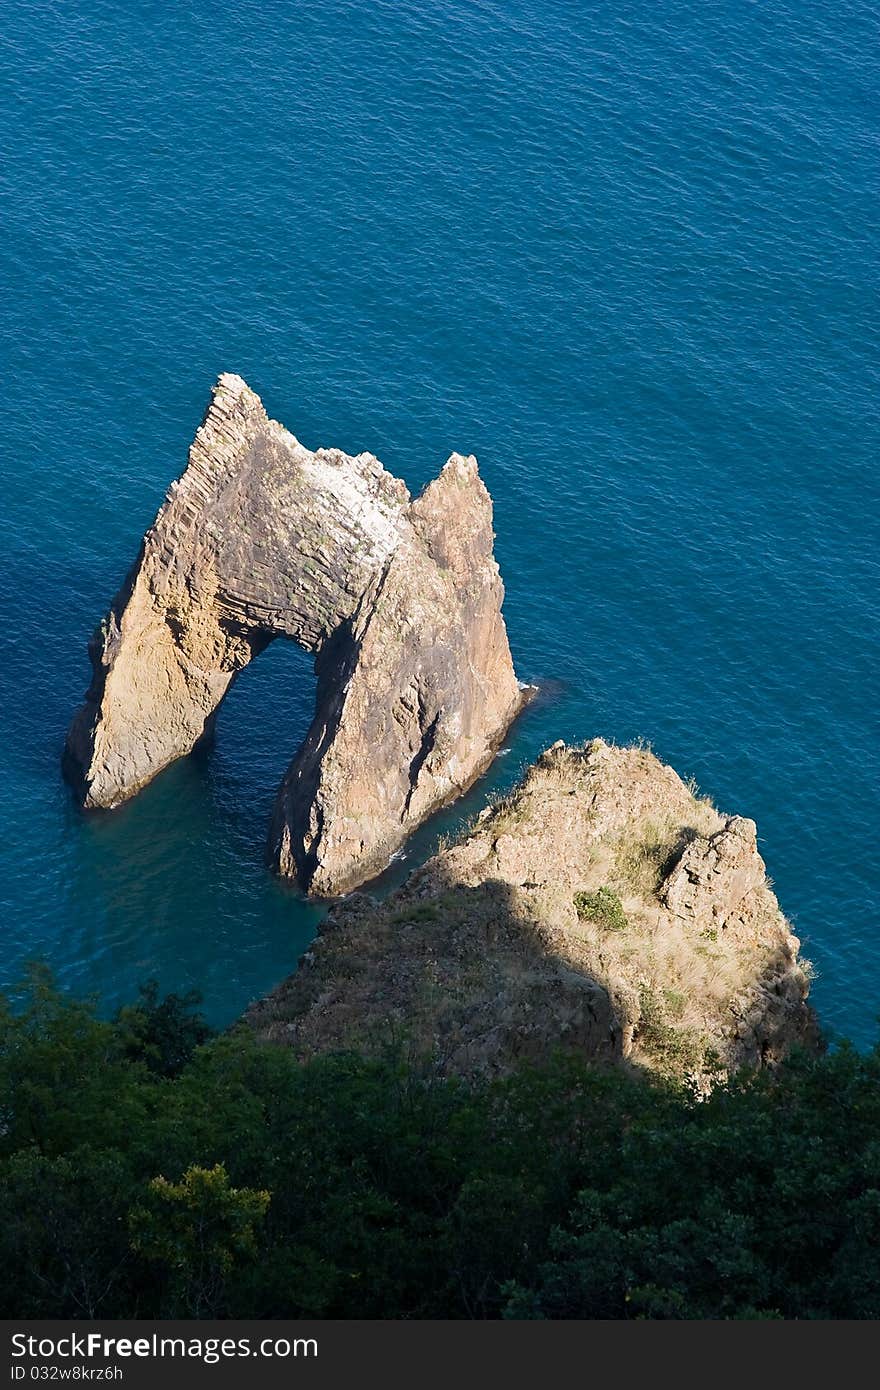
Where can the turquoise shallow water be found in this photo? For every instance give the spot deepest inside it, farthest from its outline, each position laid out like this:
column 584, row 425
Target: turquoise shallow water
column 625, row 253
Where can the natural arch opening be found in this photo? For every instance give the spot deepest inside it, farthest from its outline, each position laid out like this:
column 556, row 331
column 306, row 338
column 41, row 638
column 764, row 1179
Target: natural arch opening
column 266, row 712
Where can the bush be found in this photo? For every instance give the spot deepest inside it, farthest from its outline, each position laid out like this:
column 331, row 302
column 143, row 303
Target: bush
column 249, row 1184
column 602, row 907
column 163, row 1033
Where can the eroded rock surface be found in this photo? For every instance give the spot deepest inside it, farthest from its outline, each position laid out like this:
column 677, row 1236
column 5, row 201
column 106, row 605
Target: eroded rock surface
column 602, row 907
column 714, row 875
column 400, row 600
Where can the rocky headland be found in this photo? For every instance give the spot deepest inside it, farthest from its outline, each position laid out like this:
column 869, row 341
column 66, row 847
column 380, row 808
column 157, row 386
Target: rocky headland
column 603, row 907
column 399, row 599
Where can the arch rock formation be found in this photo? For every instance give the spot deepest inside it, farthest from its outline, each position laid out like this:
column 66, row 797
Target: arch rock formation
column 399, row 599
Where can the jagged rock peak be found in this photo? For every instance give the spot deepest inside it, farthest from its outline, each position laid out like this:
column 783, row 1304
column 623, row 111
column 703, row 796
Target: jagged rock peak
column 400, row 601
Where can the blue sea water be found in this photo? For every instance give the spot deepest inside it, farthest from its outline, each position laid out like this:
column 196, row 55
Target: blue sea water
column 626, row 253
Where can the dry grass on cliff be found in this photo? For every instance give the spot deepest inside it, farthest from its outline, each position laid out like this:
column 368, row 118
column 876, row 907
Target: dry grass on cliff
column 507, row 942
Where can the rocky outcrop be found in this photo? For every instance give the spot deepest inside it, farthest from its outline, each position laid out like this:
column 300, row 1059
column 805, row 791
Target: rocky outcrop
column 400, row 601
column 715, row 875
column 603, row 907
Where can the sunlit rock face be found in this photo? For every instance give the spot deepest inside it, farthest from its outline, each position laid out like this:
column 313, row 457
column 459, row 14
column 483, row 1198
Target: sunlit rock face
column 399, row 599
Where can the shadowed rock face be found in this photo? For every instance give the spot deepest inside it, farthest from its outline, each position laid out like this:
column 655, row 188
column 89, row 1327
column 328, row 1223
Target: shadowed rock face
column 400, row 600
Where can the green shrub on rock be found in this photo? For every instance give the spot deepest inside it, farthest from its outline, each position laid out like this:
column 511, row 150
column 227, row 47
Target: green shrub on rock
column 602, row 907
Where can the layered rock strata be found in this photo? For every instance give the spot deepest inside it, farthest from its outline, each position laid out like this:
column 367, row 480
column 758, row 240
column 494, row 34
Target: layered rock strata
column 399, row 599
column 603, row 908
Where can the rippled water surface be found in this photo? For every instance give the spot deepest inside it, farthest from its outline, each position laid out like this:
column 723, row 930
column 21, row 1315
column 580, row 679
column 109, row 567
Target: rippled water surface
column 625, row 253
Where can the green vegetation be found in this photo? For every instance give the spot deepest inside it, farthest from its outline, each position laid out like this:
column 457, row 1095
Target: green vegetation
column 162, row 1033
column 674, row 1049
column 147, row 1170
column 644, row 860
column 602, row 907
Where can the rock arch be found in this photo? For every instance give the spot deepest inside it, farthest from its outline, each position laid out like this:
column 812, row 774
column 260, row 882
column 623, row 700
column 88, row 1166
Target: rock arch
column 399, row 599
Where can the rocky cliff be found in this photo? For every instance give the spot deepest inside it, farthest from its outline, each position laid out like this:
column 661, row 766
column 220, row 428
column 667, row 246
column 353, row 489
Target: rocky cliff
column 602, row 907
column 400, row 601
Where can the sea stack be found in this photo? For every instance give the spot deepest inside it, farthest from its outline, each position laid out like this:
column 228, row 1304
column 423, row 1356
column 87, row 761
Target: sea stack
column 399, row 599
